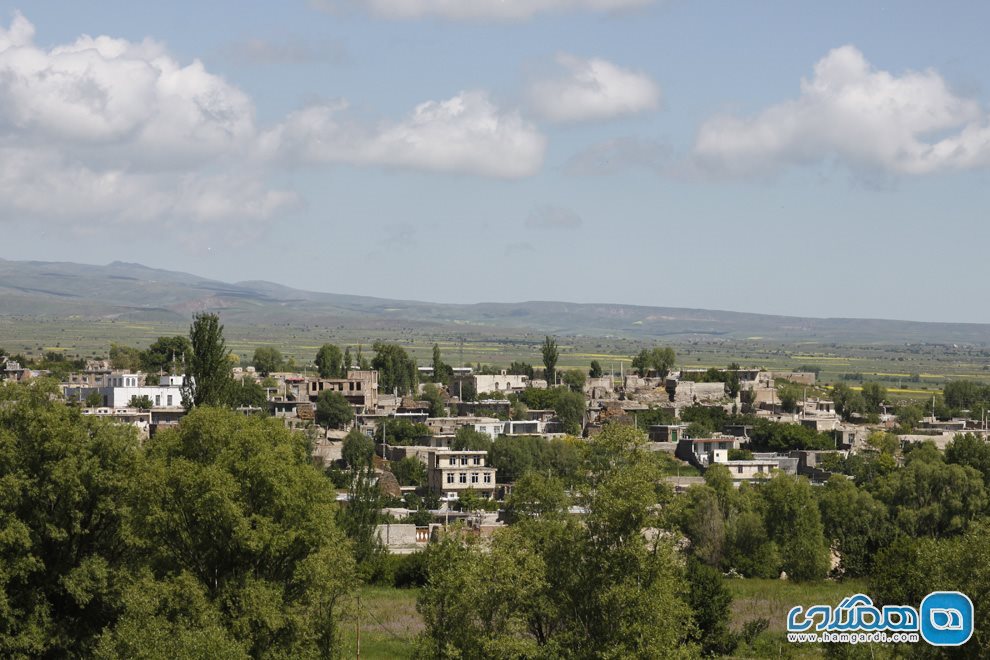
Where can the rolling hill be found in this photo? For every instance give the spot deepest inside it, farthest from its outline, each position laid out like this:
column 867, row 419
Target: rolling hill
column 55, row 290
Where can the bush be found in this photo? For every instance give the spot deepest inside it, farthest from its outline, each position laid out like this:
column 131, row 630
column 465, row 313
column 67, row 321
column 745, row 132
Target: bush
column 410, row 570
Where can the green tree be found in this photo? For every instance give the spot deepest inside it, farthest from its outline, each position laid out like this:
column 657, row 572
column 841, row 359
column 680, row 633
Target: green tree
column 466, row 438
column 874, row 394
column 536, row 495
column 550, row 354
column 855, row 523
column 442, row 372
column 710, row 599
column 522, row 369
column 912, row 568
column 94, row 399
column 208, row 379
column 847, row 402
column 235, row 503
column 908, row 416
column 932, row 498
column 794, row 522
column 432, row 395
column 143, row 402
column 126, row 358
column 964, row 394
column 596, row 370
column 333, row 409
column 558, row 587
column 167, row 354
column 172, row 617
column 518, row 411
column 362, row 362
column 409, row 471
column 788, row 394
column 570, row 409
column 399, row 431
column 748, row 549
column 361, row 516
column 357, row 450
column 396, row 370
column 330, row 362
column 249, row 393
column 267, row 359
column 67, row 479
column 658, row 361
column 732, row 380
column 574, row 379
column 968, row 450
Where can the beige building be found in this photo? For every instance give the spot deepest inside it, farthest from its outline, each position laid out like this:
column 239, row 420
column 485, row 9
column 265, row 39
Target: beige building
column 502, row 382
column 360, row 388
column 451, row 472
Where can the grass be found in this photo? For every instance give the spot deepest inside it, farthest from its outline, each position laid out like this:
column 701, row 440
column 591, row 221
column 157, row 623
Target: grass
column 771, row 599
column 388, row 620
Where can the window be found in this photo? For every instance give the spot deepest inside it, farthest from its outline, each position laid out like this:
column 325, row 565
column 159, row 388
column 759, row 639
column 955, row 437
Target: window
column 158, row 399
column 453, row 461
column 488, row 477
column 463, row 460
column 474, row 477
column 450, row 477
column 463, row 477
column 170, row 399
column 477, row 460
column 739, row 469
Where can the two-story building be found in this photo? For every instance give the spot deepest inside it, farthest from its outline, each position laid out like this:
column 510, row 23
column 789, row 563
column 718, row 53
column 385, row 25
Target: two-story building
column 360, row 388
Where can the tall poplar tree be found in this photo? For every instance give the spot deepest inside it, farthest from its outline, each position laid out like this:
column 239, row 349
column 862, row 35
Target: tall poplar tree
column 209, row 380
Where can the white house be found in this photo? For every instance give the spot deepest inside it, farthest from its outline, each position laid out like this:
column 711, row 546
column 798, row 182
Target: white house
column 121, row 388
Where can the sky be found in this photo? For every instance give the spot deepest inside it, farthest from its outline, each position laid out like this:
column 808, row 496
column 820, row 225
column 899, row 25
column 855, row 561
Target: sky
column 798, row 158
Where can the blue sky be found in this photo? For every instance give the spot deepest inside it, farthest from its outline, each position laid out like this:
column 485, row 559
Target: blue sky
column 818, row 159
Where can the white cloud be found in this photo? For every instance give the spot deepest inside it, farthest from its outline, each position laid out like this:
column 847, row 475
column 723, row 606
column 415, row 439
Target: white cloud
column 42, row 183
column 466, row 133
column 592, row 89
column 867, row 118
column 104, row 92
column 553, row 217
column 104, row 129
column 508, row 10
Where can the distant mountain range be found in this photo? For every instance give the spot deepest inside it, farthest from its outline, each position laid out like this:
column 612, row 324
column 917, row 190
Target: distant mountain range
column 134, row 292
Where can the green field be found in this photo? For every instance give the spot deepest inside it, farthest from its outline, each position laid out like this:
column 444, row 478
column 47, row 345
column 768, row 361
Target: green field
column 388, row 623
column 771, row 599
column 909, row 371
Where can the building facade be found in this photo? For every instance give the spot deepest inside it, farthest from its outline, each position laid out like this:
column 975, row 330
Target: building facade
column 453, row 472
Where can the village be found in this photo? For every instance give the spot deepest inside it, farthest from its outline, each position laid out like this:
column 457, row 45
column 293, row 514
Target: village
column 447, row 439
